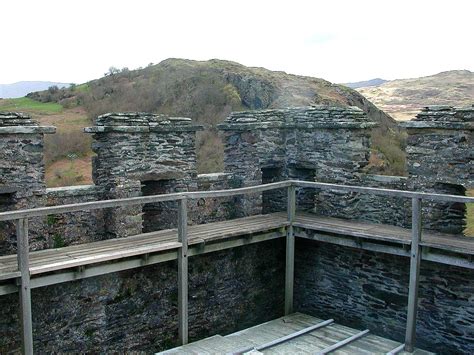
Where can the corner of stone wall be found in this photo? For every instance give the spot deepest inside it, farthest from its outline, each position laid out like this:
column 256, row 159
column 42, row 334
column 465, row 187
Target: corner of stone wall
column 22, row 174
column 440, row 159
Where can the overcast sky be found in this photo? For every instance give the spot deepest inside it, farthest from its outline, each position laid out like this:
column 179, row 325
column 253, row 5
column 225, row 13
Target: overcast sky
column 341, row 41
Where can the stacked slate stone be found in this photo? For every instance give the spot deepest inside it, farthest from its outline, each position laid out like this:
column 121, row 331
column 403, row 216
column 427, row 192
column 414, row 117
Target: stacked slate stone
column 22, row 174
column 318, row 143
column 78, row 227
column 440, row 159
column 142, row 152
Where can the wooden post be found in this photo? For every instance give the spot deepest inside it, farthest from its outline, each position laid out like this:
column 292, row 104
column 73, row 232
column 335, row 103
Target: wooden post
column 25, row 290
column 183, row 271
column 290, row 252
column 415, row 258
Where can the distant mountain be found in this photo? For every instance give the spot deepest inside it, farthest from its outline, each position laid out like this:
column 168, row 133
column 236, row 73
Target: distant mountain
column 22, row 88
column 367, row 83
column 404, row 98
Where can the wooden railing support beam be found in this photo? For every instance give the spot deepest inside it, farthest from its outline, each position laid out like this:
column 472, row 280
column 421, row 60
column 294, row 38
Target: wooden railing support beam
column 290, row 251
column 183, row 271
column 25, row 290
column 415, row 258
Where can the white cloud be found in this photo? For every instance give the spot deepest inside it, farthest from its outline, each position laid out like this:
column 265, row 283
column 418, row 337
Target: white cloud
column 336, row 40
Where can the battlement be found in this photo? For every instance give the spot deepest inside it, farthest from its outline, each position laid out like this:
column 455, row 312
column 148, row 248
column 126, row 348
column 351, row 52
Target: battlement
column 310, row 117
column 348, row 242
column 141, row 122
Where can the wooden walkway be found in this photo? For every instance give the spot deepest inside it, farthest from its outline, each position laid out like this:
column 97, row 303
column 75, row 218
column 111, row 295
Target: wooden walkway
column 25, row 271
column 378, row 232
column 313, row 342
column 306, row 225
column 49, row 260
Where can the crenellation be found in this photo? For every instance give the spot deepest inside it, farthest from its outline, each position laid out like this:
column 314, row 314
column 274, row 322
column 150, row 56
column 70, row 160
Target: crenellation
column 146, row 154
column 22, row 171
column 440, row 159
column 143, row 154
column 333, row 142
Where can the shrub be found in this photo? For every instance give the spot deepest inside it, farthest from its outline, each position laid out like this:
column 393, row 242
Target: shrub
column 62, row 144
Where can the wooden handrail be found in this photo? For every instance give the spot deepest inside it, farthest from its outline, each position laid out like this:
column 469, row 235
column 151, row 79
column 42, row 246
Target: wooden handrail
column 87, row 206
column 21, row 216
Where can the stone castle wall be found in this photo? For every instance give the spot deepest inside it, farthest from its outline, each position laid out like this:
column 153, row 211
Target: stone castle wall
column 440, row 158
column 22, row 175
column 76, row 227
column 143, row 154
column 320, row 143
column 136, row 310
column 368, row 290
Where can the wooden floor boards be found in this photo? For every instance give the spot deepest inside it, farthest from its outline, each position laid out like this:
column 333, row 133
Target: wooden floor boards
column 115, row 249
column 310, row 343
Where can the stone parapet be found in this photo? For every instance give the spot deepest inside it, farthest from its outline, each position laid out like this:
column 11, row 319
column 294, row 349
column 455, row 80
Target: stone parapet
column 20, row 123
column 143, row 154
column 315, row 143
column 22, row 175
column 141, row 122
column 440, row 145
column 310, row 117
column 440, row 159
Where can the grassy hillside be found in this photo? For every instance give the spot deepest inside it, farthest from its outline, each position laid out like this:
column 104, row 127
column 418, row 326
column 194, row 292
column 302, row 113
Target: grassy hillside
column 67, row 153
column 207, row 92
column 404, row 98
column 25, row 104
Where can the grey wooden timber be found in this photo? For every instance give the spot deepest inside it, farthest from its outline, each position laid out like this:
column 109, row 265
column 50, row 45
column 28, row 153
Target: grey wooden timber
column 397, row 350
column 25, row 289
column 221, row 235
column 342, row 343
column 290, row 251
column 384, row 192
column 183, row 271
column 285, row 338
column 387, row 234
column 271, row 332
column 86, row 206
column 170, row 244
column 415, row 259
column 200, row 236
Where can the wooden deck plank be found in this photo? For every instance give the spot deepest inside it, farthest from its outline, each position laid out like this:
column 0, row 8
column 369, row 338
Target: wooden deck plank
column 113, row 255
column 383, row 232
column 305, row 344
column 37, row 258
column 105, row 250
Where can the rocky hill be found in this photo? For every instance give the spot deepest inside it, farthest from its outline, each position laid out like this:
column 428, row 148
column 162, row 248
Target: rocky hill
column 404, row 98
column 206, row 91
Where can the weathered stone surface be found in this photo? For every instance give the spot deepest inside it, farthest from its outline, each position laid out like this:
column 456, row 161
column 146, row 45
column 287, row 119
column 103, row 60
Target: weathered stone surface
column 320, row 143
column 143, row 153
column 77, row 227
column 22, row 173
column 214, row 209
column 440, row 159
column 136, row 310
column 367, row 290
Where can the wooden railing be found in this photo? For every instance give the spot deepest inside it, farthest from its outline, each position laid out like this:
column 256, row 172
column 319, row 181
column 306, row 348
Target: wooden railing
column 22, row 216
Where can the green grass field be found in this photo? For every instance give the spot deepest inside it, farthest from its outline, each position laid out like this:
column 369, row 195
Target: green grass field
column 29, row 105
